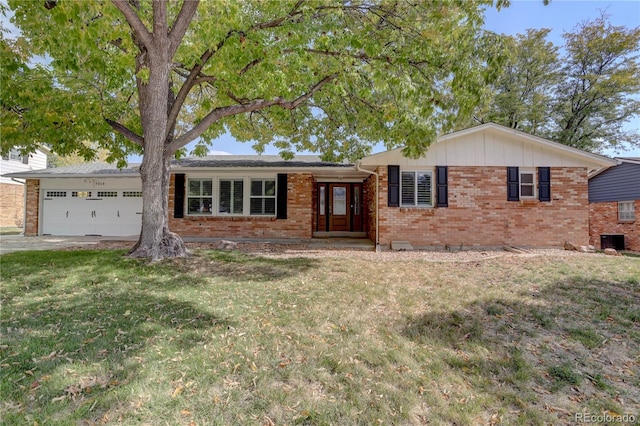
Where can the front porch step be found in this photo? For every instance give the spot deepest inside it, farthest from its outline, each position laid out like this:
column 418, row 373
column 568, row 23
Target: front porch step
column 339, row 234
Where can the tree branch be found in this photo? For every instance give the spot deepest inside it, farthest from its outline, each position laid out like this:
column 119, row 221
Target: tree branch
column 278, row 21
column 249, row 66
column 254, row 105
column 160, row 32
column 126, row 132
column 140, row 31
column 195, row 73
column 181, row 24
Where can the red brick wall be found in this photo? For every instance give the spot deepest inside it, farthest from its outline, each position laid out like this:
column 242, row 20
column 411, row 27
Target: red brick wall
column 33, row 207
column 299, row 222
column 480, row 215
column 603, row 219
column 11, row 205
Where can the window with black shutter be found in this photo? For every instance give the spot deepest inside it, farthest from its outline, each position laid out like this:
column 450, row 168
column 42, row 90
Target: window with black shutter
column 513, row 187
column 442, row 189
column 281, row 196
column 178, row 201
column 393, row 186
column 544, row 184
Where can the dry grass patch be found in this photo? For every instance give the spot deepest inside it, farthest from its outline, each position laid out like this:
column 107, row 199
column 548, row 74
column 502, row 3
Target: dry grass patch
column 90, row 337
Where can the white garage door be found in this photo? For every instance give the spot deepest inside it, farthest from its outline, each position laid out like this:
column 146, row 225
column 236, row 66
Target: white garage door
column 91, row 212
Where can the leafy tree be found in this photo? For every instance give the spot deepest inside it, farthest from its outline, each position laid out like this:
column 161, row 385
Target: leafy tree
column 599, row 90
column 330, row 76
column 582, row 99
column 524, row 91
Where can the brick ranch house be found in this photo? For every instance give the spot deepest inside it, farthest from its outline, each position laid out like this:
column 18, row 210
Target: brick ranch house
column 485, row 186
column 614, row 203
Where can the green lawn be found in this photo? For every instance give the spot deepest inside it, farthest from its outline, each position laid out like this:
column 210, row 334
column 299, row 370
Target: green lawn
column 90, row 337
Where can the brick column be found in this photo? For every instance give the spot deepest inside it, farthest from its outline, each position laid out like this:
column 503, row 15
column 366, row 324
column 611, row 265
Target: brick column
column 33, row 207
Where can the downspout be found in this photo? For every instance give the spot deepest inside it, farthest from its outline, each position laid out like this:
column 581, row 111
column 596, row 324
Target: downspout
column 24, row 204
column 360, row 169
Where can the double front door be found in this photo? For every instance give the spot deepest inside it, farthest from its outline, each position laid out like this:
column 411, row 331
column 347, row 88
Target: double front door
column 339, row 207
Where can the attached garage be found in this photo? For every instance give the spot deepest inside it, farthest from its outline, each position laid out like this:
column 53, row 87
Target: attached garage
column 87, row 199
column 85, row 211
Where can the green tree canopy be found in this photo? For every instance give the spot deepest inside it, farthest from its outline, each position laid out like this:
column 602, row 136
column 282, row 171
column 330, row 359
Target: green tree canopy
column 600, row 87
column 583, row 98
column 524, row 91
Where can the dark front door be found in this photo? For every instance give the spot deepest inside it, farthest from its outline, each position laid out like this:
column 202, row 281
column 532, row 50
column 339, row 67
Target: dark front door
column 340, row 207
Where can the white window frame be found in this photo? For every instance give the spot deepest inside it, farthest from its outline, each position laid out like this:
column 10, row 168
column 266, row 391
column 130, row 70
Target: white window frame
column 232, row 194
column 532, row 184
column 263, row 196
column 416, row 174
column 15, row 155
column 246, row 180
column 200, row 197
column 626, row 211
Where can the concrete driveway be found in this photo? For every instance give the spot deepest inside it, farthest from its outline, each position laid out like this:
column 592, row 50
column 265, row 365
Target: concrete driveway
column 13, row 243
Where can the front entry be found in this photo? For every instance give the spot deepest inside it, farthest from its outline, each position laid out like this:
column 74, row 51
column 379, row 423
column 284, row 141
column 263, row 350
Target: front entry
column 339, row 207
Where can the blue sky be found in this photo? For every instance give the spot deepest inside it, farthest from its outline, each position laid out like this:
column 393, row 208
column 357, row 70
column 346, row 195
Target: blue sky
column 560, row 16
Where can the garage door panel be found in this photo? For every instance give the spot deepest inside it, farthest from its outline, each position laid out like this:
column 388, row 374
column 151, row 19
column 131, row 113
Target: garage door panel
column 131, row 212
column 55, row 221
column 90, row 212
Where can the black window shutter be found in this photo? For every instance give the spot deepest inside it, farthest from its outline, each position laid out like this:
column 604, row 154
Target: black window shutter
column 394, row 186
column 281, row 201
column 442, row 190
column 544, row 183
column 513, row 181
column 178, row 199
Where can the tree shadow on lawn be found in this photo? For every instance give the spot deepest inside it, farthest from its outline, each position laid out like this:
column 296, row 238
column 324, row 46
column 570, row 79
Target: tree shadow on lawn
column 72, row 341
column 75, row 325
column 79, row 350
column 570, row 347
column 242, row 267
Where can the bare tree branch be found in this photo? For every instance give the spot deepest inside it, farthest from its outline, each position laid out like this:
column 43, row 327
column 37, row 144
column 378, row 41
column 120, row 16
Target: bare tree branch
column 181, row 24
column 140, row 31
column 254, row 105
column 126, row 132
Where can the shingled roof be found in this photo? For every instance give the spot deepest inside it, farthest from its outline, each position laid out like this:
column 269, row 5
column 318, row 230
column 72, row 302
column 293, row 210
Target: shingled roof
column 78, row 170
column 209, row 162
column 250, row 161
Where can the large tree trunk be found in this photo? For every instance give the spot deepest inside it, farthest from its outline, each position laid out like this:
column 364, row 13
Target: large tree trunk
column 156, row 240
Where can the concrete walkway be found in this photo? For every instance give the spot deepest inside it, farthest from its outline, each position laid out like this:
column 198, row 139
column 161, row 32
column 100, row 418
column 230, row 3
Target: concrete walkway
column 13, row 243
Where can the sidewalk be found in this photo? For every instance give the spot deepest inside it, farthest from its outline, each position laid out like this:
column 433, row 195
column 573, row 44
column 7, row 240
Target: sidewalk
column 13, row 243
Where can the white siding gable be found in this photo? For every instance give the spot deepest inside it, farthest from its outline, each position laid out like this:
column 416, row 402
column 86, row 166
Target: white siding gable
column 493, row 145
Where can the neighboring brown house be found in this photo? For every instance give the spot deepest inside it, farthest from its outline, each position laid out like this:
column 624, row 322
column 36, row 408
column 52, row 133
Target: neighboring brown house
column 480, row 187
column 614, row 205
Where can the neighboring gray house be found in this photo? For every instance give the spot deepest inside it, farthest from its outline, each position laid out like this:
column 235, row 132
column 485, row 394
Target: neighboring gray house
column 614, row 203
